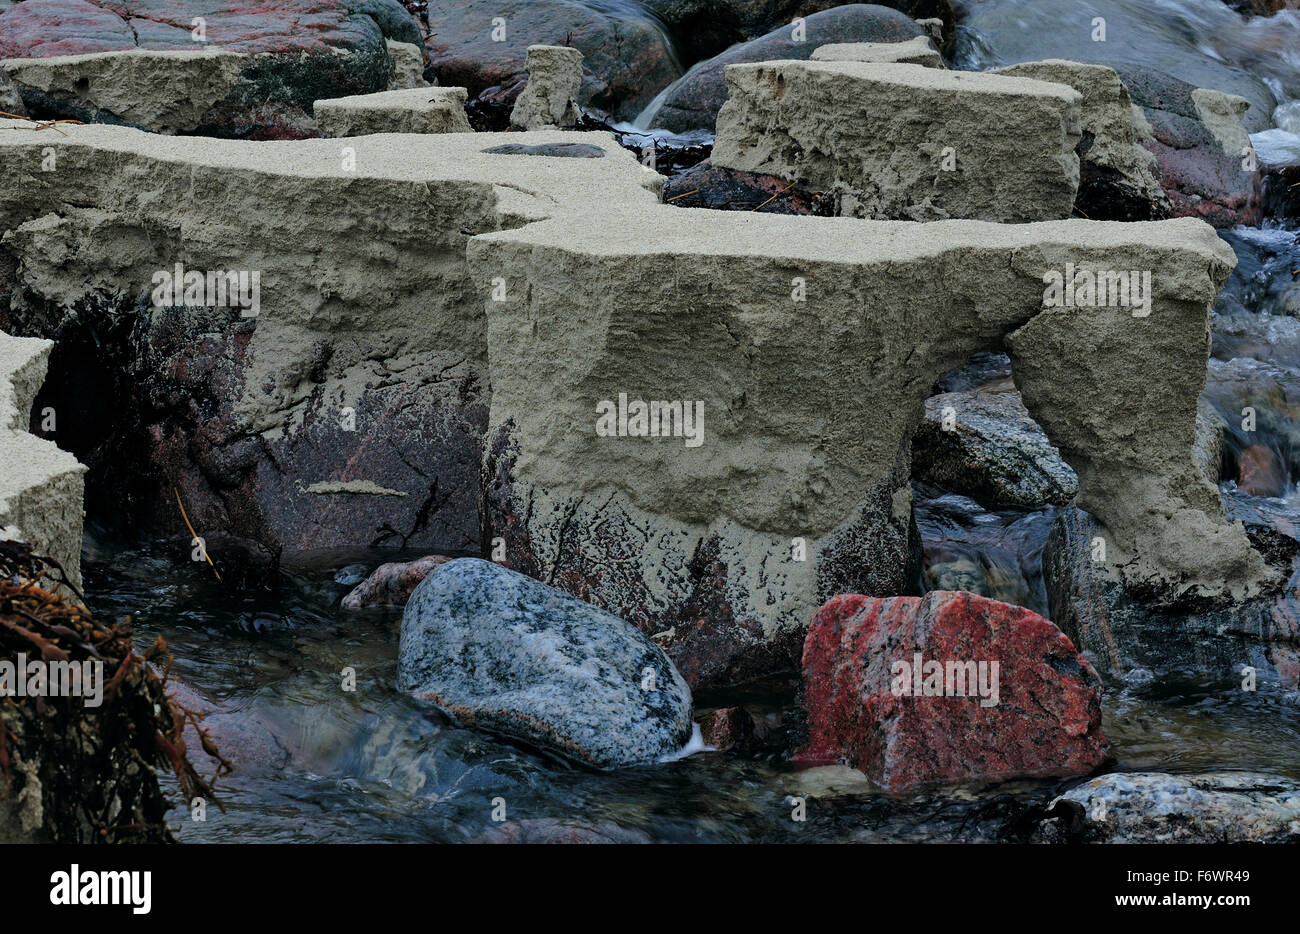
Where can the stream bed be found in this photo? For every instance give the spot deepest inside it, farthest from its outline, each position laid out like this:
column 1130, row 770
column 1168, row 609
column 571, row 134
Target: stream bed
column 318, row 764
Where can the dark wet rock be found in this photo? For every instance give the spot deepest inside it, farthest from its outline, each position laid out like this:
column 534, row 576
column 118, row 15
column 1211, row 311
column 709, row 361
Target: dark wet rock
column 694, row 101
column 986, row 446
column 723, row 189
column 732, row 729
column 1037, row 714
column 1259, row 405
column 1178, row 638
column 543, row 830
column 352, row 574
column 1280, row 193
column 335, row 49
column 703, row 28
column 504, row 653
column 1261, row 7
column 1200, row 147
column 558, row 150
column 1175, row 42
column 626, row 55
column 391, row 584
column 985, row 370
column 489, row 112
column 994, row 554
column 1262, row 287
column 1260, row 471
column 10, row 100
column 1155, row 807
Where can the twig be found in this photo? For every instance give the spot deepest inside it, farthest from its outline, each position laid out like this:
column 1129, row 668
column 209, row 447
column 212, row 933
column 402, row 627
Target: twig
column 42, row 125
column 775, row 196
column 194, row 534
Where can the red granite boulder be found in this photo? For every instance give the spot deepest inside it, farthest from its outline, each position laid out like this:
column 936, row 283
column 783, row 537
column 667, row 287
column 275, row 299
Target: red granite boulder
column 944, row 689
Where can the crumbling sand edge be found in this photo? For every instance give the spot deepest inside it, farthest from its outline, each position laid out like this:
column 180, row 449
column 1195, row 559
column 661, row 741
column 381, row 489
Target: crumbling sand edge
column 598, row 219
column 41, row 487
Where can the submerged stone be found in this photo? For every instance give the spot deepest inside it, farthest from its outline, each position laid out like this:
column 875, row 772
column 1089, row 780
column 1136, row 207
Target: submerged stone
column 391, row 584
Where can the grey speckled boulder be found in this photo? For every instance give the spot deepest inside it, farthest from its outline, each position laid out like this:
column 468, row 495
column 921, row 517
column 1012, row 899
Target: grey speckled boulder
column 991, row 450
column 1154, row 807
column 502, row 652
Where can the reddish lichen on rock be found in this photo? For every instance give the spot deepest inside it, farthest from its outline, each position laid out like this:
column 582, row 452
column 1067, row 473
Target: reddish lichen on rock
column 1046, row 720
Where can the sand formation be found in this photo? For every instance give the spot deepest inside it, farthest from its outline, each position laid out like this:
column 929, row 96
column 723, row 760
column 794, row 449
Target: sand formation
column 700, row 421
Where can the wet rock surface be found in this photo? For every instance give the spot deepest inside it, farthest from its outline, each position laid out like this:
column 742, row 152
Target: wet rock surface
column 694, row 101
column 1036, row 714
column 704, row 28
column 722, row 189
column 626, row 53
column 985, row 445
column 1153, row 807
column 1202, row 44
column 1171, row 637
column 391, row 584
column 502, row 652
column 1201, row 147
